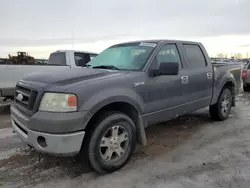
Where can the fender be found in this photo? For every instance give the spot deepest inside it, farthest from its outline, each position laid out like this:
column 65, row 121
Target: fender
column 105, row 97
column 219, row 84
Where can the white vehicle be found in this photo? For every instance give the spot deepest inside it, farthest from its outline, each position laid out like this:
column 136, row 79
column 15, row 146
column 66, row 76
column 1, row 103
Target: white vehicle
column 10, row 74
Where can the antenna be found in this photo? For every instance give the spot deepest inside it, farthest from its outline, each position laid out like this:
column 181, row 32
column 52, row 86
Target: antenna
column 73, row 38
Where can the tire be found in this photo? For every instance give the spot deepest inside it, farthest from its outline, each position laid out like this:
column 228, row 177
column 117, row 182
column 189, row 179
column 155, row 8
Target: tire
column 217, row 112
column 104, row 142
column 246, row 88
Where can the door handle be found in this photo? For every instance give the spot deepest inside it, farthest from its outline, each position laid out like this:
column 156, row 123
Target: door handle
column 184, row 79
column 209, row 75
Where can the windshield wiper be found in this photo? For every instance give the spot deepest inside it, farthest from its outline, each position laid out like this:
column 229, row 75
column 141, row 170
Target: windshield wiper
column 106, row 67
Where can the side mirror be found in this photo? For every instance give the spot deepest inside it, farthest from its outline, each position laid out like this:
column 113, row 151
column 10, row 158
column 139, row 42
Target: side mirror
column 166, row 68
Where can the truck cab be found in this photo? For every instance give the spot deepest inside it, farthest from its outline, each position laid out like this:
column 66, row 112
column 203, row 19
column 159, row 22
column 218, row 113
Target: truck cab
column 71, row 58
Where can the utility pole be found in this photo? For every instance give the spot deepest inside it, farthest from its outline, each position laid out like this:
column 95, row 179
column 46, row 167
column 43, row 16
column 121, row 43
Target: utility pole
column 73, row 38
column 73, row 29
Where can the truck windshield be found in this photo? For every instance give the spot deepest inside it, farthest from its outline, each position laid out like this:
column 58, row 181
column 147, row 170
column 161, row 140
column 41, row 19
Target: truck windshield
column 132, row 56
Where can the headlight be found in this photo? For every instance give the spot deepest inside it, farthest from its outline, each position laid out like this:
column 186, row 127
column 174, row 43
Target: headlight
column 58, row 102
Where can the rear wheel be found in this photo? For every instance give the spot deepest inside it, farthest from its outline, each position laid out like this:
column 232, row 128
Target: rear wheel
column 221, row 110
column 111, row 142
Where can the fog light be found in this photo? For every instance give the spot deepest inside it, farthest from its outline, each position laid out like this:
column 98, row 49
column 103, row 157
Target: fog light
column 41, row 141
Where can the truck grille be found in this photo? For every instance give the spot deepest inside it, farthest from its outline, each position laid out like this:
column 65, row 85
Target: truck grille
column 25, row 98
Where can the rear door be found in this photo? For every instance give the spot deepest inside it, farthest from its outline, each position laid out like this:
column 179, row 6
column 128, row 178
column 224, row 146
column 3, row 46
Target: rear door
column 198, row 76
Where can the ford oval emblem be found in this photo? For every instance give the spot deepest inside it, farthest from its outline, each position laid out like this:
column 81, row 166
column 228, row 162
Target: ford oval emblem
column 19, row 97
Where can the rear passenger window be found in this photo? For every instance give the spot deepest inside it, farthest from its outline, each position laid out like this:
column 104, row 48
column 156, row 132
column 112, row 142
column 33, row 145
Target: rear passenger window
column 195, row 57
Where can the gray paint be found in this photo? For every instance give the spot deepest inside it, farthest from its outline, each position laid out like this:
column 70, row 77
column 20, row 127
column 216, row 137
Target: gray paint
column 59, row 144
column 156, row 99
column 52, row 122
column 224, row 73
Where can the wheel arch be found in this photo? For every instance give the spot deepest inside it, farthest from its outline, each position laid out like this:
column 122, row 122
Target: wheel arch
column 230, row 84
column 126, row 107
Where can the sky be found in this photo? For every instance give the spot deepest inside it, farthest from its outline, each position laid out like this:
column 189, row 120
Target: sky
column 41, row 27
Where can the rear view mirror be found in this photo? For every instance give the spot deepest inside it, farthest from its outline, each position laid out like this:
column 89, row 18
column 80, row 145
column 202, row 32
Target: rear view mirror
column 166, row 68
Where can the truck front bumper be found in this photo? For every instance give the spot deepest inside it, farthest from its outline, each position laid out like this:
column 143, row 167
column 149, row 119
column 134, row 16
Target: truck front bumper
column 58, row 144
column 55, row 144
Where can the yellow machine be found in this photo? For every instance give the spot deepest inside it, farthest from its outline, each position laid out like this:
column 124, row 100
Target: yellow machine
column 22, row 58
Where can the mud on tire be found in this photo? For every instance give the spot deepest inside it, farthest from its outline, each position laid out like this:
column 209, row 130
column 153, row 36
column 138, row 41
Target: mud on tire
column 111, row 142
column 221, row 110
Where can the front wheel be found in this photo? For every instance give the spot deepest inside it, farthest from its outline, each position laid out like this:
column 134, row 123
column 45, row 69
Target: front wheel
column 112, row 142
column 221, row 110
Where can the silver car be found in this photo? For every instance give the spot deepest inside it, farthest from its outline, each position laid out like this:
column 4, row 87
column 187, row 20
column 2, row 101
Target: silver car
column 246, row 77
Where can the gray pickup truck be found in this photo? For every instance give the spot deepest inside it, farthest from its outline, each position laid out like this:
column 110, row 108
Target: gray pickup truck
column 10, row 74
column 101, row 111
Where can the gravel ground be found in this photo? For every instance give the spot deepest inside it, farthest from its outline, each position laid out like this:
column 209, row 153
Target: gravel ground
column 192, row 151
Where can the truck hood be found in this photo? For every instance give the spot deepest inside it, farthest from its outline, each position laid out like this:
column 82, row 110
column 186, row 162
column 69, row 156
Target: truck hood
column 68, row 76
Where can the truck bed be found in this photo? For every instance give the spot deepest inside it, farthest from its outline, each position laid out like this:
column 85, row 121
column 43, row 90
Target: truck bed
column 11, row 74
column 225, row 70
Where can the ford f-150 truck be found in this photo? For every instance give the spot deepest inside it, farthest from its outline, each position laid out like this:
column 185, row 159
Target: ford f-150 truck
column 10, row 74
column 101, row 110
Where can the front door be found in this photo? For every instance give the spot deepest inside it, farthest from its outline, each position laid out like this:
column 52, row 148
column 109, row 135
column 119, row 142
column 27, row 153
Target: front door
column 163, row 93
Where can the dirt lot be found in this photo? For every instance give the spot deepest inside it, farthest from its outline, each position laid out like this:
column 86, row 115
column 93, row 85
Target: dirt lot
column 192, row 151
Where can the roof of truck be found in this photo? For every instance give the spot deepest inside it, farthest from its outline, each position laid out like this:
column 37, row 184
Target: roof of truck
column 160, row 41
column 75, row 51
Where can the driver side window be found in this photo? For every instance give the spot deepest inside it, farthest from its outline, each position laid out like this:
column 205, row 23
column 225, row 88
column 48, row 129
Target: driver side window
column 168, row 53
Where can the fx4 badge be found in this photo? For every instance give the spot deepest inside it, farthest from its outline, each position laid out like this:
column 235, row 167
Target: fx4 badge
column 138, row 84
